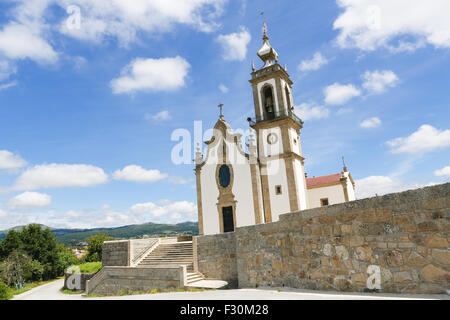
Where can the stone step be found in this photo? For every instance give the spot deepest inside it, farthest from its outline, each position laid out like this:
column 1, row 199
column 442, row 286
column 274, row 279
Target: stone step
column 194, row 277
column 171, row 257
column 175, row 249
column 164, row 259
column 167, row 262
column 171, row 254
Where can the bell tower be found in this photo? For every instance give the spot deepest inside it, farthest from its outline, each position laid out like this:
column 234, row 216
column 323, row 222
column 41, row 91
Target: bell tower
column 278, row 136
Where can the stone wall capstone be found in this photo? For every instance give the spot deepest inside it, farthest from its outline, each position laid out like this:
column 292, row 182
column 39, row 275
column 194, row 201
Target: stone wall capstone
column 397, row 243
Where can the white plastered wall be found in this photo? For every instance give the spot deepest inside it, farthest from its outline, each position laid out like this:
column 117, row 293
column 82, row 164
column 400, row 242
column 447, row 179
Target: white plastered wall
column 242, row 186
column 279, row 204
column 301, row 188
column 334, row 193
column 294, row 140
column 242, row 189
column 210, row 193
column 267, row 149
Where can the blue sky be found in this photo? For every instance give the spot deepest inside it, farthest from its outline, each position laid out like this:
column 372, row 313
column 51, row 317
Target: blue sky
column 87, row 110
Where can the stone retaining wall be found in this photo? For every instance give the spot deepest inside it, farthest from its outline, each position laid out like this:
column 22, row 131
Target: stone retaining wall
column 216, row 257
column 125, row 252
column 398, row 243
column 116, row 253
column 115, row 280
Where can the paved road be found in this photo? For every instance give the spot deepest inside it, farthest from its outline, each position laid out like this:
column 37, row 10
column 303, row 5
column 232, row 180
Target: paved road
column 50, row 291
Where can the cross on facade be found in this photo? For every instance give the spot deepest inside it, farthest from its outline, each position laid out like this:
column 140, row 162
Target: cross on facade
column 221, row 114
column 343, row 162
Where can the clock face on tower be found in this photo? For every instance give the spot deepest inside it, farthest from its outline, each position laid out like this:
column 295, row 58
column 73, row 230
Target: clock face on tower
column 272, row 138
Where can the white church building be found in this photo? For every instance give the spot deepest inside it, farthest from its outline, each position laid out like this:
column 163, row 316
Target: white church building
column 235, row 188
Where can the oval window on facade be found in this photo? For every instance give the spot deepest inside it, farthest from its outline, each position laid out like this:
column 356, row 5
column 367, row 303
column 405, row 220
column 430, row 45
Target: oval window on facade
column 224, row 176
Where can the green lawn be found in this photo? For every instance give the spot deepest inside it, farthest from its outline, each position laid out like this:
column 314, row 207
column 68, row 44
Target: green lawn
column 90, row 267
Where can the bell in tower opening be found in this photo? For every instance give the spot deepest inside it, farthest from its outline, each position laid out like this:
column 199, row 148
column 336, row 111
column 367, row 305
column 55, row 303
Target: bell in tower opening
column 268, row 98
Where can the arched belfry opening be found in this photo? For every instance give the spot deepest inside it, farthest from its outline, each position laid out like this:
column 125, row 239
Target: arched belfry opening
column 269, row 105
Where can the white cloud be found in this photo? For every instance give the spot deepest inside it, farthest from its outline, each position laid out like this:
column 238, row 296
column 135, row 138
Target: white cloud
column 27, row 32
column 160, row 116
column 223, row 88
column 8, row 160
column 124, row 19
column 29, row 201
column 8, row 85
column 371, row 123
column 163, row 211
column 308, row 111
column 379, row 81
column 60, row 176
column 343, row 111
column 380, row 185
column 444, row 172
column 163, row 74
column 6, row 69
column 427, row 138
column 21, row 42
column 370, row 24
column 179, row 209
column 138, row 174
column 234, row 45
column 315, row 63
column 178, row 180
column 338, row 94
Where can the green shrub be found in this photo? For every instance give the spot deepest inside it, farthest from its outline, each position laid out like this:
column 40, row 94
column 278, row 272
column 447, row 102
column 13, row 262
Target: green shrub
column 5, row 292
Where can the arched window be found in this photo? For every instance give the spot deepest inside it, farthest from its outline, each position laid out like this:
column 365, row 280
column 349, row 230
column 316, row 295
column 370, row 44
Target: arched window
column 269, row 103
column 288, row 98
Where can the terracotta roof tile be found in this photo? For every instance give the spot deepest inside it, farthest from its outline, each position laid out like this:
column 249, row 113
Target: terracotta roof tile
column 318, row 181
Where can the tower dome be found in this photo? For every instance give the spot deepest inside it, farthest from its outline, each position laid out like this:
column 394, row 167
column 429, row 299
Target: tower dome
column 267, row 53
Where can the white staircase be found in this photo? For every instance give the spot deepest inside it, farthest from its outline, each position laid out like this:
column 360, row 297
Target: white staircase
column 174, row 254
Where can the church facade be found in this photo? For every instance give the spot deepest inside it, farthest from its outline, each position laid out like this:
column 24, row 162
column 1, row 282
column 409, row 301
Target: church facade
column 235, row 188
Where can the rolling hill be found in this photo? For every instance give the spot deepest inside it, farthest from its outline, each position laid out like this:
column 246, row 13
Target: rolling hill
column 71, row 237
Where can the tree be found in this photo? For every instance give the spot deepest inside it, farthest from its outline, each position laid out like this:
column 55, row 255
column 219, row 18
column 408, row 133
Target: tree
column 37, row 244
column 13, row 269
column 95, row 247
column 11, row 243
column 65, row 258
column 33, row 271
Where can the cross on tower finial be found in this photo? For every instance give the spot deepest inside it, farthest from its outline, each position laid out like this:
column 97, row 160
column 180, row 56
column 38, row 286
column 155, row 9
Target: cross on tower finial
column 221, row 114
column 343, row 162
column 265, row 37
